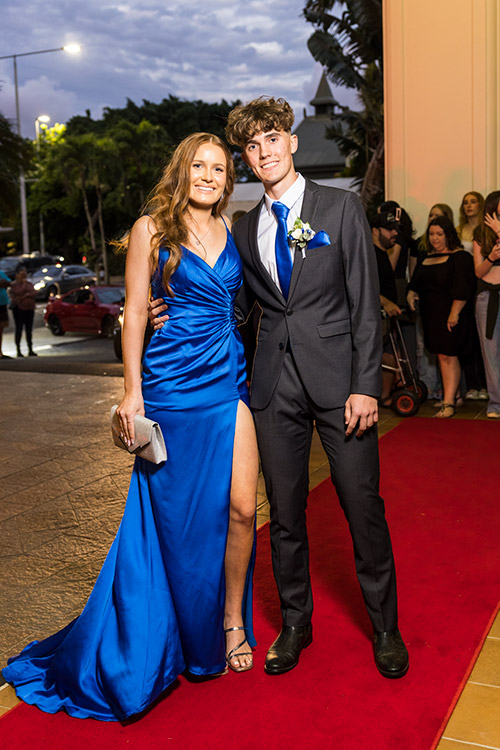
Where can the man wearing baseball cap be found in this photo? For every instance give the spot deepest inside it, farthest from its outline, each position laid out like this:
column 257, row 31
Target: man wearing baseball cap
column 384, row 235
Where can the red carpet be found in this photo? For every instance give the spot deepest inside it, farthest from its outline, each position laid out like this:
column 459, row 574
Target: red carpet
column 441, row 493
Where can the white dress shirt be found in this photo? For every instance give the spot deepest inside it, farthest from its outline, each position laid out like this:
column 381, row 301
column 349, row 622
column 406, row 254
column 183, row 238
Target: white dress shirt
column 268, row 224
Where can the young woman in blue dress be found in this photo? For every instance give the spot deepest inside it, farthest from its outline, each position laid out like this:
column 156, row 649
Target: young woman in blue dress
column 187, row 210
column 175, row 590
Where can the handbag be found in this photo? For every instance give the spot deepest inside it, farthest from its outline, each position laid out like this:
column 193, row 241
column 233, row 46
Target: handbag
column 149, row 442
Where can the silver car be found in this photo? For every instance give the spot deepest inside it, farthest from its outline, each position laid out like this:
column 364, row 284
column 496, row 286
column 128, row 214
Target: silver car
column 51, row 280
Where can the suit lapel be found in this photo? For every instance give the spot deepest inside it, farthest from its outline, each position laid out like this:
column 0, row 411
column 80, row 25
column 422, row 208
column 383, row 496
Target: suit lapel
column 310, row 202
column 252, row 233
column 309, row 205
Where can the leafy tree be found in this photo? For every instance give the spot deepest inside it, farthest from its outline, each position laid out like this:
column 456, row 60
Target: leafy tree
column 349, row 45
column 15, row 153
column 54, row 195
column 175, row 117
column 142, row 149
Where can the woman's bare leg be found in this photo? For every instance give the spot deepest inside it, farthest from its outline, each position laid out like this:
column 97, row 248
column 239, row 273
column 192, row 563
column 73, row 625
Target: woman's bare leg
column 241, row 528
column 450, row 373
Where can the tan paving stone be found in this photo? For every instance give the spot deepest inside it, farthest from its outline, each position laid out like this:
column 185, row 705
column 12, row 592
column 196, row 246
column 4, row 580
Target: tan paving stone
column 14, row 640
column 98, row 498
column 83, row 541
column 17, row 571
column 11, row 542
column 46, row 521
column 476, row 718
column 262, row 518
column 20, row 462
column 487, row 668
column 8, row 698
column 122, row 481
column 24, row 500
column 53, row 487
column 495, row 628
column 452, row 745
column 65, row 464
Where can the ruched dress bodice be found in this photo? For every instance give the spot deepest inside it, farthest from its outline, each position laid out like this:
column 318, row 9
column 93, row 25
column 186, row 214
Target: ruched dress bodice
column 198, row 355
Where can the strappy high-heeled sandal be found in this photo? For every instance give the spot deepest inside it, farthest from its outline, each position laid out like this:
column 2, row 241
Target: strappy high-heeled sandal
column 232, row 655
column 442, row 412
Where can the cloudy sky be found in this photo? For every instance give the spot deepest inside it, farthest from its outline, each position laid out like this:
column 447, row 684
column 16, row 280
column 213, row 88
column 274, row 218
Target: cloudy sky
column 148, row 49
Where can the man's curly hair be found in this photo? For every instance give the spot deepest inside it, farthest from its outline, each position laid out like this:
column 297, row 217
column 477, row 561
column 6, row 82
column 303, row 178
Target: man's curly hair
column 258, row 116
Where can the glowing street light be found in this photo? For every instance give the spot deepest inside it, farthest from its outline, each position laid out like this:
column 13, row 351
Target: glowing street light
column 72, row 49
column 40, row 122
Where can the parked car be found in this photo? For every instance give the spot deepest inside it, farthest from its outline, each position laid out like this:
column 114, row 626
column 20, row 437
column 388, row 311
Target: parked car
column 33, row 262
column 57, row 279
column 9, row 263
column 117, row 336
column 91, row 309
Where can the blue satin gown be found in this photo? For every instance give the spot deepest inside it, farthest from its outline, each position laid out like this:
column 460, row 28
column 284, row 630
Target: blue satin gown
column 157, row 606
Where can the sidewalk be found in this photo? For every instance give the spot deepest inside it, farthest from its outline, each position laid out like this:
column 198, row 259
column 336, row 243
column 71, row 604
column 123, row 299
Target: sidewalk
column 62, row 492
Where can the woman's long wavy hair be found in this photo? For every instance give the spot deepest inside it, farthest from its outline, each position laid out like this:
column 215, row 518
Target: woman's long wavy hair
column 483, row 234
column 169, row 201
column 462, row 216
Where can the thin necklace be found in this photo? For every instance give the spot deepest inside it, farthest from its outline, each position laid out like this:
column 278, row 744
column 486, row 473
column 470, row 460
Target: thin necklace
column 199, row 241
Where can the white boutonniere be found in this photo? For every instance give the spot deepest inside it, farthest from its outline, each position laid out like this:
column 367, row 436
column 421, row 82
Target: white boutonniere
column 300, row 234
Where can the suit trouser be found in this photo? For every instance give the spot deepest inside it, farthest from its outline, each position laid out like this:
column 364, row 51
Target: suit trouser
column 284, row 432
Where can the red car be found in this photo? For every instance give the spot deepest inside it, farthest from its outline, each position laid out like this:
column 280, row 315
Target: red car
column 90, row 309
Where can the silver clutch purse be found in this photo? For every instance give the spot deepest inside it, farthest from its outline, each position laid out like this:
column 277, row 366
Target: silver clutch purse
column 149, row 443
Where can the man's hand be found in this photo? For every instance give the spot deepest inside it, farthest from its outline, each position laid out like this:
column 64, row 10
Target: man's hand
column 360, row 409
column 155, row 308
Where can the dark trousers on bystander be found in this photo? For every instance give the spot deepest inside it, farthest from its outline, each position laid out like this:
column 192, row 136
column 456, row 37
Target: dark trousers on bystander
column 24, row 319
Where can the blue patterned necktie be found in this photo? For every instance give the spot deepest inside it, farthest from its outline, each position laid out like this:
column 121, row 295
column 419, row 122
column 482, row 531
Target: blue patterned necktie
column 283, row 257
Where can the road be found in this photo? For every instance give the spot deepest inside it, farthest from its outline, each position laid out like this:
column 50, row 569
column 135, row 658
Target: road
column 75, row 353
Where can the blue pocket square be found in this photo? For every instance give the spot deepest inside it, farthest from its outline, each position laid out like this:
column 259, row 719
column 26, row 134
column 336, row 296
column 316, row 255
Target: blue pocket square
column 319, row 240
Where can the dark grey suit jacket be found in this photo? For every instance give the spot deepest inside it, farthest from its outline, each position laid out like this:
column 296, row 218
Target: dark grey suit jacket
column 331, row 320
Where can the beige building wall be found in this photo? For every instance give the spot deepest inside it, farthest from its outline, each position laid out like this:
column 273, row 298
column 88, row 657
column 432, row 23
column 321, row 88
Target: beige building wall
column 442, row 101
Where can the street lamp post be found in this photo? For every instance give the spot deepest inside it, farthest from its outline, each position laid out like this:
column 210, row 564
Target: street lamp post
column 72, row 48
column 44, row 119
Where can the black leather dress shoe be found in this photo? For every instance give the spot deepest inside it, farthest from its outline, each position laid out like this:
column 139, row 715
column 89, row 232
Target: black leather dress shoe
column 391, row 656
column 285, row 651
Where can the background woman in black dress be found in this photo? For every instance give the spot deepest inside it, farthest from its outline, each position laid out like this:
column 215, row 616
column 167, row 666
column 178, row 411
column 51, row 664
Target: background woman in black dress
column 445, row 285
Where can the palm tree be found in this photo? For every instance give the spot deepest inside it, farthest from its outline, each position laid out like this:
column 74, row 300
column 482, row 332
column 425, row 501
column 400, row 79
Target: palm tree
column 349, row 45
column 142, row 150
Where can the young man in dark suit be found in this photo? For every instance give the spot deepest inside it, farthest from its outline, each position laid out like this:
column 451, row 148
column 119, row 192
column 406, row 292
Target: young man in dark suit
column 318, row 361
